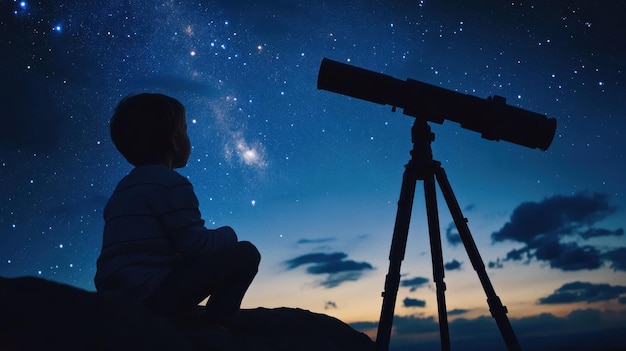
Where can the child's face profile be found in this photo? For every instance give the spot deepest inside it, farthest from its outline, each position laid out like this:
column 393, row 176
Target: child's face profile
column 182, row 146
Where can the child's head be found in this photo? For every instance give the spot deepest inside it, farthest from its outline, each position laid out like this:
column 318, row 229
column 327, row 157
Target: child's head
column 151, row 129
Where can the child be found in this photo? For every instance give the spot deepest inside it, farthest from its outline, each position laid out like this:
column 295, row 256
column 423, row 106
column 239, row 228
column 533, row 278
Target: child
column 155, row 245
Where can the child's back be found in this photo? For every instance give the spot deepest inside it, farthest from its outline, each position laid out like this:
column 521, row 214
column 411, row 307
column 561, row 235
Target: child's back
column 151, row 224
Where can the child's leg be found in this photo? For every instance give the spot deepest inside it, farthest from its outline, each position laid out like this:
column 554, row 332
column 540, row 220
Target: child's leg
column 225, row 275
column 225, row 300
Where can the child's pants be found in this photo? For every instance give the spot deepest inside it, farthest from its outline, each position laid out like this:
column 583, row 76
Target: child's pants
column 225, row 275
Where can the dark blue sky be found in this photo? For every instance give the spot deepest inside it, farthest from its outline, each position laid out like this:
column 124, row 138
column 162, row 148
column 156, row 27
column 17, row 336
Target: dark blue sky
column 312, row 177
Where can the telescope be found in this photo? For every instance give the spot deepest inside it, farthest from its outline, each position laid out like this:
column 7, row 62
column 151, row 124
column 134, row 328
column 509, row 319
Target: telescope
column 492, row 117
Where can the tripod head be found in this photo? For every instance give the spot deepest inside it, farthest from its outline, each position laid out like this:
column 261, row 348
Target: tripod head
column 492, row 117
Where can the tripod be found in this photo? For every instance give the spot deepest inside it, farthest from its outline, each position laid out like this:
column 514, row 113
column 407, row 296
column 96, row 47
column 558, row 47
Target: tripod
column 423, row 167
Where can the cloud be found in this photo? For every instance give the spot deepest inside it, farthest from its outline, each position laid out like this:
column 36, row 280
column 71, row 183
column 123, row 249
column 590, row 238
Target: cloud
column 333, row 267
column 569, row 256
column 596, row 232
column 495, row 264
column 407, row 325
column 452, row 234
column 414, row 283
column 579, row 330
column 552, row 231
column 330, row 304
column 335, row 279
column 617, row 258
column 408, row 302
column 315, row 258
column 315, row 241
column 469, row 208
column 336, row 265
column 583, row 292
column 453, row 265
column 457, row 311
column 557, row 215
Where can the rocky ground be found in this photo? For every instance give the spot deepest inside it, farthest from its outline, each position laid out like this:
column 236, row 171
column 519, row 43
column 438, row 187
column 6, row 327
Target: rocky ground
column 37, row 314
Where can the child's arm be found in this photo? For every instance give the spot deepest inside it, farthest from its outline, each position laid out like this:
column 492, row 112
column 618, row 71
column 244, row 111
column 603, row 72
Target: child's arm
column 198, row 240
column 186, row 228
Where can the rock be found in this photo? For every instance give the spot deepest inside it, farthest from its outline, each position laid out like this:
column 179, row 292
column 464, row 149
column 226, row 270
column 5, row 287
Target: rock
column 37, row 314
column 296, row 329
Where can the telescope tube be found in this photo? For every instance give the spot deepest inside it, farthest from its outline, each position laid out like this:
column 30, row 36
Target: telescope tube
column 491, row 117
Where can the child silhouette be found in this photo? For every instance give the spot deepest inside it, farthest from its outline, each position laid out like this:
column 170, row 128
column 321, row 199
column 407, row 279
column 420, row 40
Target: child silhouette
column 155, row 245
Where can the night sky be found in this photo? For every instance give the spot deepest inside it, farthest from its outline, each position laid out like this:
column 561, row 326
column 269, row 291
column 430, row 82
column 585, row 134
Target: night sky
column 313, row 177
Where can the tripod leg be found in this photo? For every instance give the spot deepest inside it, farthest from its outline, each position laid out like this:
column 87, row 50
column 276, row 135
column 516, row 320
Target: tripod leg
column 437, row 258
column 498, row 311
column 396, row 255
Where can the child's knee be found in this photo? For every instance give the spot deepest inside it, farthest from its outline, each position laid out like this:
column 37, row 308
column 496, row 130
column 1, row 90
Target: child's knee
column 250, row 252
column 228, row 231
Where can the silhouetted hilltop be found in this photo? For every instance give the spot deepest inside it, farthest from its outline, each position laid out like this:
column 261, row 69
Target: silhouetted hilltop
column 37, row 314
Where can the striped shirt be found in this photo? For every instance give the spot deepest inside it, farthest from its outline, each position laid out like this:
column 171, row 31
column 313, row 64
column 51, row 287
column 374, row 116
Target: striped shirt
column 152, row 223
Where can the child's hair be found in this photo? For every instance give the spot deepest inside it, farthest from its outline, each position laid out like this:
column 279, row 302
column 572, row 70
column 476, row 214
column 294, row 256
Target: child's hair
column 143, row 125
